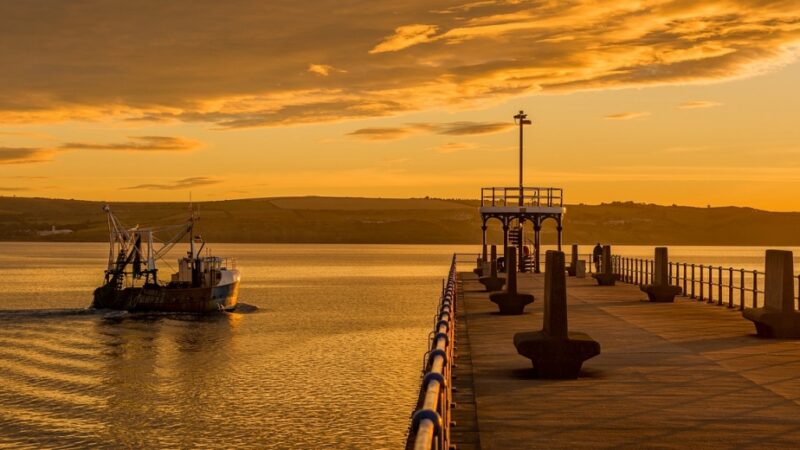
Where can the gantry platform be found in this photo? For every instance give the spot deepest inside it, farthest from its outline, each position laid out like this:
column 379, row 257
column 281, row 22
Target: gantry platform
column 520, row 205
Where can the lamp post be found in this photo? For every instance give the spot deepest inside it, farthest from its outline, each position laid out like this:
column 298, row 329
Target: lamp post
column 522, row 120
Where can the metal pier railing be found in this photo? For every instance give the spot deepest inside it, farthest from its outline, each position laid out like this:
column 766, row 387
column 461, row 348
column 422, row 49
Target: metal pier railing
column 430, row 423
column 526, row 196
column 735, row 288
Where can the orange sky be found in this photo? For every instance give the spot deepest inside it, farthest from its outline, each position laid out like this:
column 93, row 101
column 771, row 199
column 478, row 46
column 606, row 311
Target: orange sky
column 664, row 101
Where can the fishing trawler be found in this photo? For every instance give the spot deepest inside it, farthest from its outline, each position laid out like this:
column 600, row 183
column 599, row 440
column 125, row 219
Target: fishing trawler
column 202, row 283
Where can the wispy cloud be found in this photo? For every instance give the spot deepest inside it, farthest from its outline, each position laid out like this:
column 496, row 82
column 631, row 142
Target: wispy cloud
column 29, row 155
column 138, row 144
column 454, row 147
column 381, row 134
column 323, row 69
column 698, row 104
column 627, row 115
column 404, row 37
column 185, row 183
column 12, row 189
column 445, row 129
column 24, row 155
column 470, row 128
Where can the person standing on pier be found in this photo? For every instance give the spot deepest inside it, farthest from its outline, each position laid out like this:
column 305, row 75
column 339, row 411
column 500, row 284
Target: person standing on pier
column 597, row 255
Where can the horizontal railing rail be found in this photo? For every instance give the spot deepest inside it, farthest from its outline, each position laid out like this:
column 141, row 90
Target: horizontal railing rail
column 430, row 423
column 735, row 288
column 527, row 196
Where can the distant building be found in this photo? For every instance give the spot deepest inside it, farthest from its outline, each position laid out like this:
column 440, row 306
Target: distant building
column 53, row 232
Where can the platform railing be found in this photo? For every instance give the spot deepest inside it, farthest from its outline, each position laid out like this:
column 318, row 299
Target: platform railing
column 589, row 259
column 527, row 196
column 430, row 422
column 734, row 288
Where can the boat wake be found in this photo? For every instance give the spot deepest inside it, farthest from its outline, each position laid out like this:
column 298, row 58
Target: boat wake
column 61, row 312
column 244, row 308
column 111, row 314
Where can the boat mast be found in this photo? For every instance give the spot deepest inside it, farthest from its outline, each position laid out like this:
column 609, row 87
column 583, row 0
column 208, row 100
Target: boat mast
column 191, row 229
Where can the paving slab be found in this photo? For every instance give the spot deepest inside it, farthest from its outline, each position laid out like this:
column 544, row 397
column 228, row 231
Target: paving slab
column 670, row 375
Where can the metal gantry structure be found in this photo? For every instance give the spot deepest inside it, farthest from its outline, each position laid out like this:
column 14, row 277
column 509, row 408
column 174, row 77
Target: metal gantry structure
column 130, row 248
column 516, row 206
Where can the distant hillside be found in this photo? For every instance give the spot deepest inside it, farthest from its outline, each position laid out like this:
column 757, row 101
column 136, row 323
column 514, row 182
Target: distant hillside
column 407, row 221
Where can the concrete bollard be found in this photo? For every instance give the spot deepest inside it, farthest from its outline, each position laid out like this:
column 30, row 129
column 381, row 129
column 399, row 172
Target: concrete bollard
column 661, row 290
column 778, row 318
column 492, row 282
column 510, row 301
column 580, row 269
column 555, row 351
column 606, row 276
column 573, row 261
column 478, row 270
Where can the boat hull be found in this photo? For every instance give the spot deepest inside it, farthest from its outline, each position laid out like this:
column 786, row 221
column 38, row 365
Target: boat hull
column 168, row 299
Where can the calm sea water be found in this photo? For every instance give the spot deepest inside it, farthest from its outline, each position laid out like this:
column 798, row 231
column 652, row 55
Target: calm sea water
column 329, row 359
column 327, row 355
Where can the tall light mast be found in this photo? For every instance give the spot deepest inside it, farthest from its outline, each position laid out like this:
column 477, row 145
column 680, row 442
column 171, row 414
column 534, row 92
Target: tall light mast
column 522, row 120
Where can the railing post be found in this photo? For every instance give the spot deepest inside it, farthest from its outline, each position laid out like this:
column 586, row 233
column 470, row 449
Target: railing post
column 627, row 276
column 685, row 294
column 693, row 280
column 710, row 284
column 640, row 271
column 719, row 291
column 755, row 289
column 741, row 290
column 730, row 287
column 625, row 270
column 702, row 285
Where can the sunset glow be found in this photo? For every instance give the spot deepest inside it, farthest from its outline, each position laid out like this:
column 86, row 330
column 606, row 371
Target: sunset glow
column 659, row 101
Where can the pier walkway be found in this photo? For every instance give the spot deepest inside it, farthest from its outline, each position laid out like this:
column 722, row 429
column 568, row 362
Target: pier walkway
column 670, row 375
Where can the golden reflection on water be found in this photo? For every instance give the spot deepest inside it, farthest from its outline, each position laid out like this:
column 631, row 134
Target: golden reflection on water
column 330, row 357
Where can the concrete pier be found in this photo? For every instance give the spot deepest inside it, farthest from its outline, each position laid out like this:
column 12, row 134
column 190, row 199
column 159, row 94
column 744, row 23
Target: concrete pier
column 680, row 375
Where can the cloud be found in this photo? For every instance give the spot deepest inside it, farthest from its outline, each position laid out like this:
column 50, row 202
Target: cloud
column 28, row 155
column 235, row 64
column 12, row 189
column 404, row 37
column 627, row 115
column 381, row 134
column 445, row 129
column 24, row 155
column 471, row 128
column 185, row 183
column 138, row 144
column 323, row 69
column 698, row 104
column 454, row 147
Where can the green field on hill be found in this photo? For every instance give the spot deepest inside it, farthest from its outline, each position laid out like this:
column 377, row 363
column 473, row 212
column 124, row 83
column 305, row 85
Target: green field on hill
column 401, row 221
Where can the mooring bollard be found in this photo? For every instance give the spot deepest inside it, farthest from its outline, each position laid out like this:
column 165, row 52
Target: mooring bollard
column 478, row 270
column 510, row 301
column 573, row 261
column 606, row 277
column 661, row 290
column 492, row 282
column 777, row 318
column 555, row 351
